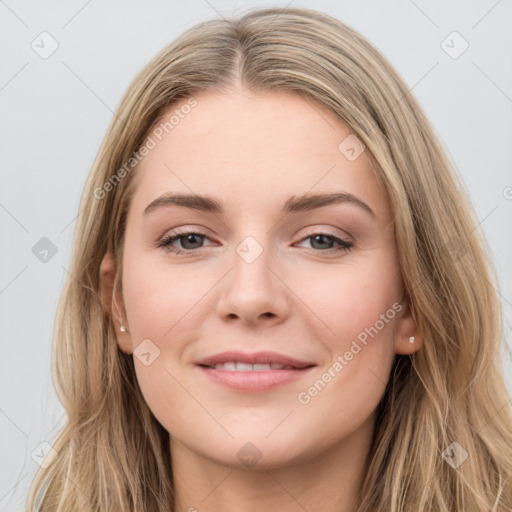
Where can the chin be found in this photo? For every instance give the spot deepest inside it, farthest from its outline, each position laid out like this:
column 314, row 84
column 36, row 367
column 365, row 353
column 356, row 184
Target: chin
column 258, row 453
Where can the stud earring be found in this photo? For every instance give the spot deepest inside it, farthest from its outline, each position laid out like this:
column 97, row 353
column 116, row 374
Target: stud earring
column 122, row 328
column 411, row 339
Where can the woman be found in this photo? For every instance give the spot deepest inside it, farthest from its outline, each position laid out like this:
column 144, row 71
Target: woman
column 212, row 353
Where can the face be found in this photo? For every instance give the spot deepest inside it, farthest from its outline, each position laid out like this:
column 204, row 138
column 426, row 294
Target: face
column 267, row 270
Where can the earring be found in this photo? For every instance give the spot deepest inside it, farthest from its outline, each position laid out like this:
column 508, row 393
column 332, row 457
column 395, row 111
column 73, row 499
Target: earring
column 122, row 328
column 411, row 339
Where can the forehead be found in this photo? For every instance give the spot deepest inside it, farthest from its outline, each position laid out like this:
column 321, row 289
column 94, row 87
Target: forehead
column 248, row 147
column 240, row 124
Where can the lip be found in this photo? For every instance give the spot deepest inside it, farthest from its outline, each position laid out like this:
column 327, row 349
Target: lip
column 263, row 357
column 254, row 381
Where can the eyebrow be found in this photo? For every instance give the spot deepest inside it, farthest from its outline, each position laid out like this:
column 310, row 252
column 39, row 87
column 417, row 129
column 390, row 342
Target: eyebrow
column 301, row 203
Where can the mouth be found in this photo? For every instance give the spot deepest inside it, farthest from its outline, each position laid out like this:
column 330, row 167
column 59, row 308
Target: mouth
column 253, row 372
column 234, row 366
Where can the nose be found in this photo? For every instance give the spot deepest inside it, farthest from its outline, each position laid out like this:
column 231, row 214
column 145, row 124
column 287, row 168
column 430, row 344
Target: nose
column 253, row 292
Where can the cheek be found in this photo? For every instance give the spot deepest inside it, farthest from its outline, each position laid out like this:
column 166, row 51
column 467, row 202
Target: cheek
column 346, row 300
column 356, row 310
column 165, row 305
column 160, row 301
column 359, row 307
column 162, row 307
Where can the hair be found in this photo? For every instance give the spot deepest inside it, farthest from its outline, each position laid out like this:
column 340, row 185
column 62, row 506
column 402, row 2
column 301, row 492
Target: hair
column 112, row 453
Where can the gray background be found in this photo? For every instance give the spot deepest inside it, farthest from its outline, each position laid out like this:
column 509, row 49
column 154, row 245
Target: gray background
column 55, row 110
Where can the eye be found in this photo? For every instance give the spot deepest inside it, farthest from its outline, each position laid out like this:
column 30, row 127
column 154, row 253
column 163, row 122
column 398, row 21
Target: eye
column 189, row 241
column 192, row 240
column 323, row 243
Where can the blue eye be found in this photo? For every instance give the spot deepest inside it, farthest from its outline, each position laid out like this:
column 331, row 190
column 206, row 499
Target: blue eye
column 192, row 240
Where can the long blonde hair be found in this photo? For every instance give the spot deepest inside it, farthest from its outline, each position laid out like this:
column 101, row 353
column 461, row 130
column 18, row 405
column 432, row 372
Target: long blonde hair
column 113, row 455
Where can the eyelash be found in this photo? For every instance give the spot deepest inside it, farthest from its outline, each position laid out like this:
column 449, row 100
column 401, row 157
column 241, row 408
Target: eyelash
column 165, row 243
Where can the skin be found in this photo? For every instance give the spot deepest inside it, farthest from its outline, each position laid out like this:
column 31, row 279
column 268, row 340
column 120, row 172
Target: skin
column 252, row 152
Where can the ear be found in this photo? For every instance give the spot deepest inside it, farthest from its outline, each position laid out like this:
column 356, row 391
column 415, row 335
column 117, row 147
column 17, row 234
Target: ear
column 406, row 329
column 112, row 301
